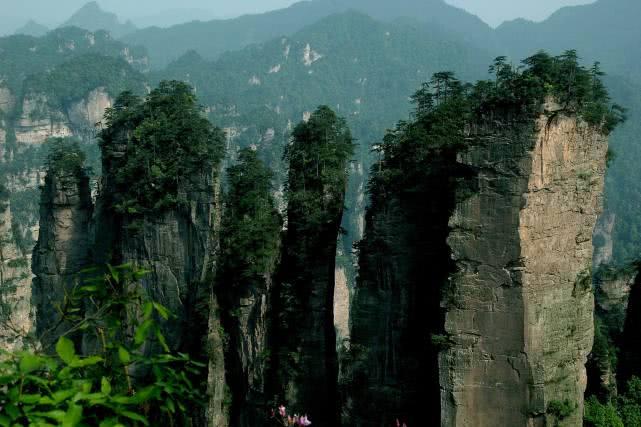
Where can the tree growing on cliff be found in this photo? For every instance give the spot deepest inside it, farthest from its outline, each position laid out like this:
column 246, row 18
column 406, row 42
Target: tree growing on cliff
column 167, row 143
column 305, row 343
column 250, row 244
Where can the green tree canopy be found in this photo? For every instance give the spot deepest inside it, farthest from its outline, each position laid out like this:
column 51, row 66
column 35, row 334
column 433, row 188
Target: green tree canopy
column 168, row 146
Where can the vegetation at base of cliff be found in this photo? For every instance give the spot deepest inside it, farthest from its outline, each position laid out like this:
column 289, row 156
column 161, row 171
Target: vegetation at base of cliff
column 115, row 382
column 251, row 222
column 621, row 411
column 167, row 144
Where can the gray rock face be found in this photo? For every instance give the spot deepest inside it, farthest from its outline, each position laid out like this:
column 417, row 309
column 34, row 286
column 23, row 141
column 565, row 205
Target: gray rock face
column 63, row 248
column 482, row 300
column 520, row 305
column 15, row 284
column 176, row 247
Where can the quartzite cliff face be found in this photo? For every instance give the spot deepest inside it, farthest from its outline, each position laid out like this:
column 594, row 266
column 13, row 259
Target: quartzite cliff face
column 63, row 248
column 519, row 310
column 15, row 285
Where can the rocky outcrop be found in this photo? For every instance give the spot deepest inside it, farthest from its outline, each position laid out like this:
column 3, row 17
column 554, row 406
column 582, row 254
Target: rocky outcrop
column 15, row 285
column 175, row 246
column 519, row 308
column 7, row 100
column 603, row 241
column 38, row 122
column 63, row 248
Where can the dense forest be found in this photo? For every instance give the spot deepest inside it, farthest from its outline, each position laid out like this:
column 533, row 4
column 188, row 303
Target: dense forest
column 225, row 223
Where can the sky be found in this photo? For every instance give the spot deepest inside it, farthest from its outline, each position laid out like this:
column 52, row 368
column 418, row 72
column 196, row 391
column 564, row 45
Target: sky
column 53, row 12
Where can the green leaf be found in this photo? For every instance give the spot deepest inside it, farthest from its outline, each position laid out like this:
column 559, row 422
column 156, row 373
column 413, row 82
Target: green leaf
column 124, row 355
column 66, row 350
column 114, row 273
column 134, row 416
column 105, row 386
column 87, row 361
column 30, row 362
column 12, row 411
column 147, row 309
column 62, row 395
column 30, row 398
column 73, row 416
column 143, row 331
column 162, row 310
column 162, row 341
column 56, row 414
column 5, row 421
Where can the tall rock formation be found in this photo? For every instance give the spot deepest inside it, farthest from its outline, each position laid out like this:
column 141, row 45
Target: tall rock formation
column 159, row 208
column 15, row 282
column 250, row 250
column 475, row 285
column 63, row 247
column 306, row 367
column 519, row 309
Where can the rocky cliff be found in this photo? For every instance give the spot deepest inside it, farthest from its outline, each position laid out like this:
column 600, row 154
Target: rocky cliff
column 15, row 284
column 63, row 248
column 519, row 308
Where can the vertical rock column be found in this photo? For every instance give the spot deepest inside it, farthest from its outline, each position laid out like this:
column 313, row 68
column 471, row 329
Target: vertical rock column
column 520, row 305
column 63, row 247
column 15, row 285
column 306, row 364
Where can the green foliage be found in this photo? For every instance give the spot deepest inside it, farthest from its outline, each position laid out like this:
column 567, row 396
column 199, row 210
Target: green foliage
column 625, row 410
column 116, row 383
column 168, row 146
column 251, row 222
column 22, row 56
column 561, row 409
column 65, row 156
column 73, row 80
column 601, row 415
column 317, row 177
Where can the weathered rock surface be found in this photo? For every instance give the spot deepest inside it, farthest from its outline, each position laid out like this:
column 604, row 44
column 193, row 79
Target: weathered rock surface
column 520, row 305
column 63, row 248
column 38, row 123
column 15, row 286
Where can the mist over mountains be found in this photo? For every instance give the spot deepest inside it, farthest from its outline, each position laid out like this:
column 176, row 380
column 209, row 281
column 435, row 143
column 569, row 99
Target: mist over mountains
column 422, row 236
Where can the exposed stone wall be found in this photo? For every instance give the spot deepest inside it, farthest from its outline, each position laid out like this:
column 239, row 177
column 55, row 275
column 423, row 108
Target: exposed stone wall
column 15, row 286
column 63, row 248
column 520, row 306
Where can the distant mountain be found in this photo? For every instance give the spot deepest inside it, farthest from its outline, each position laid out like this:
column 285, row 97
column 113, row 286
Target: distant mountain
column 32, row 28
column 91, row 17
column 607, row 30
column 22, row 56
column 212, row 38
column 167, row 18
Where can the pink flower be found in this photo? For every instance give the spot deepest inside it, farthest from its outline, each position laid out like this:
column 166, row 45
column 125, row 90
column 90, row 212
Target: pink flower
column 398, row 423
column 282, row 411
column 304, row 421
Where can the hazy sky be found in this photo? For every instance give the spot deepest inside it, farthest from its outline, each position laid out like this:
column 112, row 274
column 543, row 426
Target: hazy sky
column 52, row 12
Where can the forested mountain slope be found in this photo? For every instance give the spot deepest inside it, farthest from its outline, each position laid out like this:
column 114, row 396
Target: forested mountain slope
column 212, row 38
